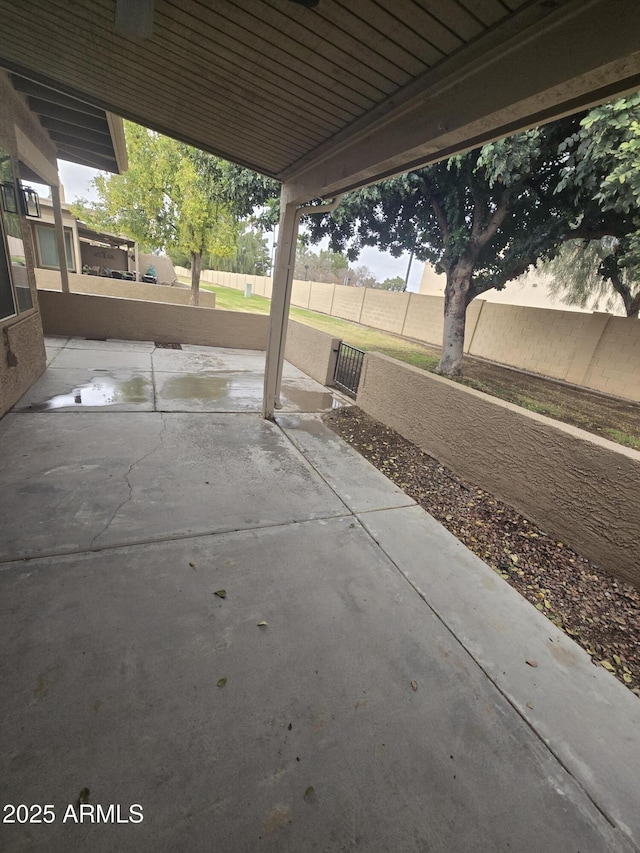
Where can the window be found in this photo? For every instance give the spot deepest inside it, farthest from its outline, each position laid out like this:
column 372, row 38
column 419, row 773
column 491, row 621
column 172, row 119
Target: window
column 7, row 302
column 48, row 248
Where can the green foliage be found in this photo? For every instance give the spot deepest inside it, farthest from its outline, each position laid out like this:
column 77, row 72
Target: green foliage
column 362, row 276
column 395, row 283
column 177, row 198
column 251, row 256
column 324, row 265
column 587, row 273
column 484, row 217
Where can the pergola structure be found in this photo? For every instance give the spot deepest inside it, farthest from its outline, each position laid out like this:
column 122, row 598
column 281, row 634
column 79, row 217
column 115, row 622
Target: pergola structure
column 331, row 96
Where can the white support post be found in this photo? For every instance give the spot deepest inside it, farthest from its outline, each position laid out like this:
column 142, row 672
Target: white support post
column 280, row 301
column 59, row 228
column 281, row 296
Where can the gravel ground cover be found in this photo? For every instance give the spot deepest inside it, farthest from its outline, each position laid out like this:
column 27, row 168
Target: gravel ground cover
column 598, row 610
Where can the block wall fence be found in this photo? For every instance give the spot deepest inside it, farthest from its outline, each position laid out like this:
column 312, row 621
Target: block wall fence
column 597, row 351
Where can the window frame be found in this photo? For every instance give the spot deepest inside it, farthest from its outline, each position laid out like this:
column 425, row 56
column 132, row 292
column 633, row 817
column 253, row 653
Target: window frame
column 68, row 234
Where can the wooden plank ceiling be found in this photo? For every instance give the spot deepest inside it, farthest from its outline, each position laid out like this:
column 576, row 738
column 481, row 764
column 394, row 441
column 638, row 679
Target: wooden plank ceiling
column 270, row 84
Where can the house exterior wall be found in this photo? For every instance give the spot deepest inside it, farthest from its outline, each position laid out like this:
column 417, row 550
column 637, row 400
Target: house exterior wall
column 581, row 488
column 22, row 354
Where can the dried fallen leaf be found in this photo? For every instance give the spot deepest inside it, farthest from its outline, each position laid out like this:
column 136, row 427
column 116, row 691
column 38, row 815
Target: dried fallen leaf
column 262, row 624
column 221, row 593
column 414, row 686
column 607, row 665
column 530, row 706
column 222, row 682
column 309, row 792
column 193, row 565
column 533, row 663
column 514, row 559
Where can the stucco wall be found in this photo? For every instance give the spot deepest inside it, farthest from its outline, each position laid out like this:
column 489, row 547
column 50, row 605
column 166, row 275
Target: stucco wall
column 312, row 351
column 22, row 354
column 132, row 319
column 161, row 263
column 582, row 489
column 103, row 257
column 96, row 284
column 22, row 358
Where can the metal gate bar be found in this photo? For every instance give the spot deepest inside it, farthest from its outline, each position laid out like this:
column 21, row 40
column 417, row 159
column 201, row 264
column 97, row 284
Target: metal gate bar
column 348, row 369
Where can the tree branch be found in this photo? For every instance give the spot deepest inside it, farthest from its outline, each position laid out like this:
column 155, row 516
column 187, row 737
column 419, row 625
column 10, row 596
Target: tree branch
column 437, row 208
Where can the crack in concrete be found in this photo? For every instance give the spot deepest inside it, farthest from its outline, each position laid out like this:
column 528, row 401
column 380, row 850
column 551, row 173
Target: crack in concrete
column 128, row 482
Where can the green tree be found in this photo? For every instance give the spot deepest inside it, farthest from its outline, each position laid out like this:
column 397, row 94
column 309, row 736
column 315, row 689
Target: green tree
column 362, row 276
column 484, row 217
column 177, row 198
column 395, row 283
column 588, row 273
column 251, row 256
column 324, row 265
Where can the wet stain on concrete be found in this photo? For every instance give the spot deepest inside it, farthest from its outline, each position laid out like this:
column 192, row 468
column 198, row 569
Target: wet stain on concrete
column 104, row 389
column 212, row 389
column 309, row 401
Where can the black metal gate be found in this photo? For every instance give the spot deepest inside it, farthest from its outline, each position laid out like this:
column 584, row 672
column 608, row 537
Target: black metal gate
column 348, row 369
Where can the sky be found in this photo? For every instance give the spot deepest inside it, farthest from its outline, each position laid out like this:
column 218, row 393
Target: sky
column 76, row 181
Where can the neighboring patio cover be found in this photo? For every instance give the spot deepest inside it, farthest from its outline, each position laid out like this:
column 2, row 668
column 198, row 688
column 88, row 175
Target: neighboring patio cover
column 329, row 98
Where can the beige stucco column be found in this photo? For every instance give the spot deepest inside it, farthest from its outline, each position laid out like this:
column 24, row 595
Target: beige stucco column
column 62, row 250
column 280, row 301
column 281, row 293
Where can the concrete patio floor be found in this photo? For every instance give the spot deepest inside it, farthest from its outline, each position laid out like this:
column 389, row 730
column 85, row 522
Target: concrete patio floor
column 365, row 683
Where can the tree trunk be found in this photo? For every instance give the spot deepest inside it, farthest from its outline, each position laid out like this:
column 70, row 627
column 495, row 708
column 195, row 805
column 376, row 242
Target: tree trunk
column 632, row 304
column 456, row 298
column 196, row 264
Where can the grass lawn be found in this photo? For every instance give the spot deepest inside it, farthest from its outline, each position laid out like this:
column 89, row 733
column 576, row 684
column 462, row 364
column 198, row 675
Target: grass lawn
column 606, row 416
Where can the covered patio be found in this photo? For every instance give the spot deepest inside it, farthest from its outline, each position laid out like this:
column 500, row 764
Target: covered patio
column 223, row 615
column 246, row 629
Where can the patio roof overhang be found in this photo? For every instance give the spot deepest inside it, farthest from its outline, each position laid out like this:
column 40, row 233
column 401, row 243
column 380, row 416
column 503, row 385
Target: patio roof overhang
column 327, row 98
column 81, row 133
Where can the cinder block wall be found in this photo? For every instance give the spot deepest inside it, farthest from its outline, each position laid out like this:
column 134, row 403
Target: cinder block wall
column 598, row 351
column 135, row 320
column 583, row 489
column 384, row 310
column 615, row 365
